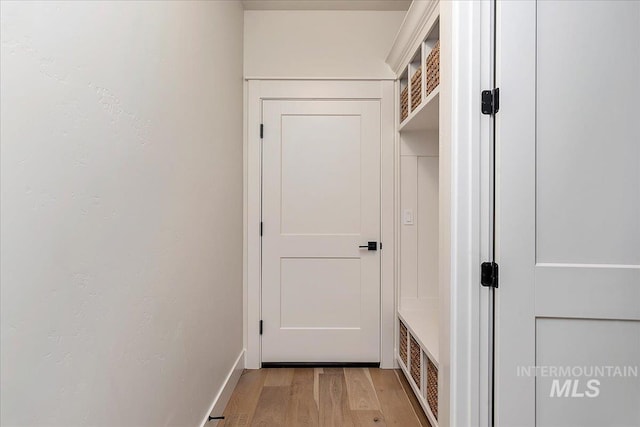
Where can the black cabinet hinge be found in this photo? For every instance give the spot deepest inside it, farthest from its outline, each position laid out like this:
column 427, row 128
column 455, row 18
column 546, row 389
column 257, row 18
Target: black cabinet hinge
column 261, row 130
column 490, row 101
column 261, row 227
column 261, row 327
column 489, row 274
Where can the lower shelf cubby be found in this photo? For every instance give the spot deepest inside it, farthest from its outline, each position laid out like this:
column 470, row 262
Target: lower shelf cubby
column 420, row 370
column 431, row 388
column 403, row 344
column 416, row 363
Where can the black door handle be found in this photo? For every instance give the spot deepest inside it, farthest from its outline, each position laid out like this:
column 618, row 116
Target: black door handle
column 371, row 246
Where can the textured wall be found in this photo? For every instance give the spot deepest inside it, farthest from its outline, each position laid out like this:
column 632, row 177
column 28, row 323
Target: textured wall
column 121, row 220
column 319, row 43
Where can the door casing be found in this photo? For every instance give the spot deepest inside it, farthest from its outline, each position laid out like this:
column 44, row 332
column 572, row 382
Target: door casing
column 259, row 90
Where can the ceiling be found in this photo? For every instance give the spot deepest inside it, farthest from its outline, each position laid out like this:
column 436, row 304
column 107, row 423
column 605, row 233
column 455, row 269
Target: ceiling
column 326, row 4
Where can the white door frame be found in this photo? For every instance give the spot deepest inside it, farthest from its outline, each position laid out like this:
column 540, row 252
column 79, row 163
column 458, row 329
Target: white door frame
column 465, row 135
column 259, row 90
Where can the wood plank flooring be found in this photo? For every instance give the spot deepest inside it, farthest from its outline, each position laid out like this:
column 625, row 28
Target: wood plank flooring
column 323, row 397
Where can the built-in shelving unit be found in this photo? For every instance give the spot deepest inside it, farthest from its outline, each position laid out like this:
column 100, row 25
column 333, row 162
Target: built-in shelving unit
column 418, row 311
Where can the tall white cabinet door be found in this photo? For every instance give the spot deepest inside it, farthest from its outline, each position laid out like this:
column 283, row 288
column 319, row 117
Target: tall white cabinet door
column 568, row 213
column 321, row 202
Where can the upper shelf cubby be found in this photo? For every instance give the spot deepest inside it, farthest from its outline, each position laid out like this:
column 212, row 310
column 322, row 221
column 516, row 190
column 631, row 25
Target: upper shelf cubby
column 419, row 85
column 404, row 94
column 416, row 80
column 431, row 55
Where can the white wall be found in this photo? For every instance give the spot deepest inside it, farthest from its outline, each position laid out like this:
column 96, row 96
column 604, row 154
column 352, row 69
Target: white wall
column 319, row 44
column 419, row 241
column 121, row 220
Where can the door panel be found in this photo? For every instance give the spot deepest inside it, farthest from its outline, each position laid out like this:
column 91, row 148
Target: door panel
column 604, row 292
column 320, row 170
column 321, row 201
column 588, row 132
column 334, row 284
column 568, row 210
column 585, row 344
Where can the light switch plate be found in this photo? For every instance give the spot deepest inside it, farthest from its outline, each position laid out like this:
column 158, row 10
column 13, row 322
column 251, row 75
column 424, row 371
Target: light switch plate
column 407, row 217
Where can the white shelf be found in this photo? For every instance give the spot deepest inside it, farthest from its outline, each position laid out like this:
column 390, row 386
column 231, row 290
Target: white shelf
column 421, row 317
column 426, row 116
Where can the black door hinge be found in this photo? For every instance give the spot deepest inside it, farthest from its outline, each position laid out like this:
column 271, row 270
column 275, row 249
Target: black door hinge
column 490, row 101
column 261, row 327
column 261, row 227
column 489, row 274
column 261, row 130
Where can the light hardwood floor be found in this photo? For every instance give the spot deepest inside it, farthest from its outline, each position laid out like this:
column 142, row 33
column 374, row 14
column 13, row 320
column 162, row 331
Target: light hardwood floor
column 323, row 397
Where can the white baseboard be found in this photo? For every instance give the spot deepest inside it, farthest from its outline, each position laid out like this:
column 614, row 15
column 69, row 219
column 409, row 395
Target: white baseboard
column 223, row 396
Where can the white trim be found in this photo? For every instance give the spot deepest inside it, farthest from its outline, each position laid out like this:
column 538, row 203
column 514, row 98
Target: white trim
column 387, row 225
column 481, row 42
column 470, row 143
column 569, row 265
column 258, row 90
column 396, row 205
column 321, row 79
column 414, row 29
column 447, row 182
column 331, row 5
column 226, row 390
column 245, row 259
column 253, row 172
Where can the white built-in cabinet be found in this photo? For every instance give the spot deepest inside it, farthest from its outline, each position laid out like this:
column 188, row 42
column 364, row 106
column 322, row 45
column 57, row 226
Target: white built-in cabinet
column 419, row 169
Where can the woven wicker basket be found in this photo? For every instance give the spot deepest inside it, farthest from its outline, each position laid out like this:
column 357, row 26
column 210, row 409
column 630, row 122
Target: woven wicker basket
column 433, row 68
column 404, row 104
column 432, row 387
column 416, row 365
column 402, row 345
column 416, row 89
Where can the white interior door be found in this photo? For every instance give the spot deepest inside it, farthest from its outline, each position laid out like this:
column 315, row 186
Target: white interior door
column 568, row 229
column 321, row 201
